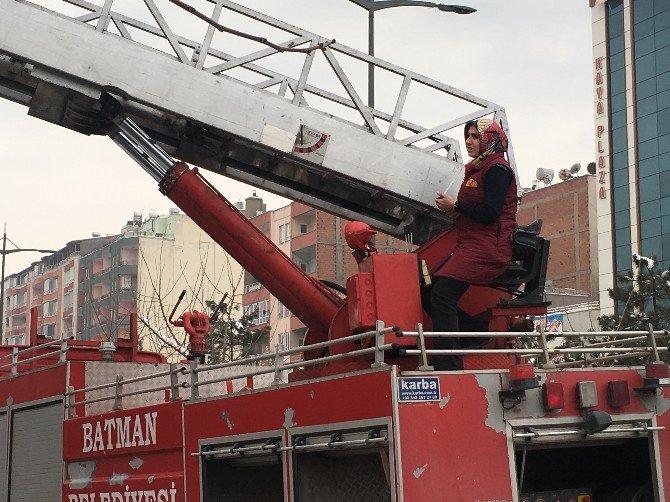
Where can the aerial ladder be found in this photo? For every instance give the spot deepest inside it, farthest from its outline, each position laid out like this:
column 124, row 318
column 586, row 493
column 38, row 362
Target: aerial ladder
column 385, row 428
column 364, row 164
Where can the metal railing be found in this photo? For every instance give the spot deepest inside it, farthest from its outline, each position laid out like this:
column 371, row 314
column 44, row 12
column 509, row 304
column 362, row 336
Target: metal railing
column 279, row 361
column 119, row 18
column 16, row 360
column 542, row 352
column 194, row 371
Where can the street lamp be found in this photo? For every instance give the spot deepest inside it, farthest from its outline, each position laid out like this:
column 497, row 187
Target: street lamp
column 5, row 252
column 371, row 6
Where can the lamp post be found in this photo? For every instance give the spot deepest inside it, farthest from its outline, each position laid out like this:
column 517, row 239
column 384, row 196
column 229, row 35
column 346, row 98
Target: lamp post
column 4, row 253
column 371, row 6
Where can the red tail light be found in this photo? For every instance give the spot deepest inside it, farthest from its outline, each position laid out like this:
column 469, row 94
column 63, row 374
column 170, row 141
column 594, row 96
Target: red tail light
column 618, row 394
column 522, row 377
column 657, row 371
column 521, row 371
column 552, row 396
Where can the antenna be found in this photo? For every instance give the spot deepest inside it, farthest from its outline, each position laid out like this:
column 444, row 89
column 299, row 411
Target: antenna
column 591, row 168
column 575, row 168
column 544, row 175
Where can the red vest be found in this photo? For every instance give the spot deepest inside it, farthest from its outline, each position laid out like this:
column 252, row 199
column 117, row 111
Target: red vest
column 483, row 250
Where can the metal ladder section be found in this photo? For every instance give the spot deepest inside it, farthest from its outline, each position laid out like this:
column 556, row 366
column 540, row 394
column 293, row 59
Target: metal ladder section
column 224, row 112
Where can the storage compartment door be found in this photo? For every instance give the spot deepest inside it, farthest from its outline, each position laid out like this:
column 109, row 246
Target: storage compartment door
column 36, row 464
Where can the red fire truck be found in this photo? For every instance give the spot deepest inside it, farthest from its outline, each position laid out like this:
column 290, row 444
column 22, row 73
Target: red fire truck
column 356, row 413
column 364, row 417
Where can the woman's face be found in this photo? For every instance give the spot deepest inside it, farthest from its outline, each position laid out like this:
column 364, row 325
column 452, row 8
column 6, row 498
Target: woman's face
column 472, row 142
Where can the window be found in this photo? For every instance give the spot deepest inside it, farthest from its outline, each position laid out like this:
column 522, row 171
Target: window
column 284, row 233
column 647, row 127
column 49, row 308
column 303, row 228
column 284, row 339
column 650, row 228
column 645, row 167
column 126, row 282
column 49, row 330
column 650, row 210
column 15, row 340
column 19, row 300
column 649, row 190
column 68, row 276
column 50, row 285
column 283, row 311
column 623, row 236
column 67, row 300
column 259, row 312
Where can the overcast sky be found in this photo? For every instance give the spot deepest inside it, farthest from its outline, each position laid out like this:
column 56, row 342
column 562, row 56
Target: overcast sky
column 532, row 57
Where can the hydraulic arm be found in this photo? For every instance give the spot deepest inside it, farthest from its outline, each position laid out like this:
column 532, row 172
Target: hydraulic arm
column 312, row 302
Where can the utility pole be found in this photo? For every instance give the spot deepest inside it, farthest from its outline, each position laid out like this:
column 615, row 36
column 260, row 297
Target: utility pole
column 2, row 283
column 5, row 252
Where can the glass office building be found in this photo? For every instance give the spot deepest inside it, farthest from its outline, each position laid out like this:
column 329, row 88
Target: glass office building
column 631, row 70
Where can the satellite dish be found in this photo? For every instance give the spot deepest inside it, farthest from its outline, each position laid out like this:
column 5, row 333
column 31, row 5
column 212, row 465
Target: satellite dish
column 575, row 168
column 591, row 168
column 564, row 174
column 544, row 175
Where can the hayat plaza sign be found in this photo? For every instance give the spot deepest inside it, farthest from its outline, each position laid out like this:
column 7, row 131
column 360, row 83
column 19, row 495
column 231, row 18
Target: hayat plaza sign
column 601, row 126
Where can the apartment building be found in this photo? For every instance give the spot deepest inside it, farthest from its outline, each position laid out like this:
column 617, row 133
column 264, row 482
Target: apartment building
column 51, row 287
column 91, row 287
column 315, row 241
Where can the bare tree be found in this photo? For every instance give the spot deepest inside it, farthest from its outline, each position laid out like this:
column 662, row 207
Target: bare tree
column 157, row 291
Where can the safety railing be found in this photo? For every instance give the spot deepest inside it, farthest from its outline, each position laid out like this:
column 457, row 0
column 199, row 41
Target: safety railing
column 194, row 377
column 194, row 371
column 542, row 352
column 124, row 19
column 16, row 358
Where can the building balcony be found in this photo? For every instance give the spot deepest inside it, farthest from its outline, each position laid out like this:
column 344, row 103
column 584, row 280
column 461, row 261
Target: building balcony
column 255, row 296
column 100, row 275
column 126, row 295
column 103, row 299
column 300, row 241
column 16, row 331
column 50, row 295
column 127, row 269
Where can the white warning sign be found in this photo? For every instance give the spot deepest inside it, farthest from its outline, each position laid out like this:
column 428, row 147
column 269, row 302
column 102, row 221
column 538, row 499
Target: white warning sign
column 311, row 144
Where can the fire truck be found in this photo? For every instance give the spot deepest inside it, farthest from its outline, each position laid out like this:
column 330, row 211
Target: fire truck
column 356, row 413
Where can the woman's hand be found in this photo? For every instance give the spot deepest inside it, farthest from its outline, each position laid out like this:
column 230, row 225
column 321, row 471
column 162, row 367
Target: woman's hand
column 446, row 204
